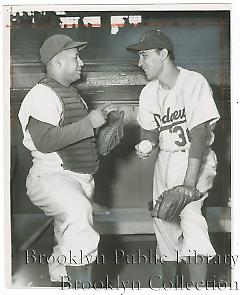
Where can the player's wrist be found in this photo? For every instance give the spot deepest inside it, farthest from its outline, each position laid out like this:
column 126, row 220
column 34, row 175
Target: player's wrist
column 187, row 189
column 190, row 182
column 154, row 145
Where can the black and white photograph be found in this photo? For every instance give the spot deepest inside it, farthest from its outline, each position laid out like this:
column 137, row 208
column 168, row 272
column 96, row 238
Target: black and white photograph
column 120, row 141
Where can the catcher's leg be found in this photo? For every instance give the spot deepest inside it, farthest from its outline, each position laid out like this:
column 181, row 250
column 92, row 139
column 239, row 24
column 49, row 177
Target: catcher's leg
column 65, row 196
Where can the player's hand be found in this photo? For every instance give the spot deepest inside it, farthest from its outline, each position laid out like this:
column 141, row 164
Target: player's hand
column 141, row 155
column 106, row 108
column 143, row 149
column 96, row 118
column 185, row 189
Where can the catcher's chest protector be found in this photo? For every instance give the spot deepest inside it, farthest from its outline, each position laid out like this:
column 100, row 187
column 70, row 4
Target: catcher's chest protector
column 82, row 156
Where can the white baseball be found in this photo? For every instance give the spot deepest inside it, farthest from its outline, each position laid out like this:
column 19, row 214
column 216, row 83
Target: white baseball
column 145, row 146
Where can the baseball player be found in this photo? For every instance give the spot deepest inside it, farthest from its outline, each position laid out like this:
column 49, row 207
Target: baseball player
column 59, row 130
column 177, row 114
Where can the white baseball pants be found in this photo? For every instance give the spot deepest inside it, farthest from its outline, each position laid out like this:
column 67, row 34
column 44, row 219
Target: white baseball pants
column 66, row 196
column 190, row 237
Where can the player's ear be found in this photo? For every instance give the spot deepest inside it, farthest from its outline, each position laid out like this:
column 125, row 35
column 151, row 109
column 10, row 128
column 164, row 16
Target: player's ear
column 58, row 60
column 164, row 53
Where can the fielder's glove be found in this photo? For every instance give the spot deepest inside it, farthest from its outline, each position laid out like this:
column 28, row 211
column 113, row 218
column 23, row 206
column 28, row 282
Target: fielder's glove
column 110, row 134
column 171, row 202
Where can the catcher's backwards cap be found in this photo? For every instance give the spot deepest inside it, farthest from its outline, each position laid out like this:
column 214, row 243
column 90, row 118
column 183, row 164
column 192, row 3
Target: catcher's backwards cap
column 152, row 39
column 57, row 43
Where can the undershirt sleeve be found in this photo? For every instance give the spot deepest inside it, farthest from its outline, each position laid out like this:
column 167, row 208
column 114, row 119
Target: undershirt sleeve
column 48, row 138
column 198, row 138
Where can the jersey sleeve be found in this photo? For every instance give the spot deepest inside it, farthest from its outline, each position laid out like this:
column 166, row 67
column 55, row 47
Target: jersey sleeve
column 42, row 104
column 145, row 116
column 199, row 103
column 45, row 106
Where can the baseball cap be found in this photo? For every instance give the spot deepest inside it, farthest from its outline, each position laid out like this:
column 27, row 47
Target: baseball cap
column 57, row 43
column 152, row 39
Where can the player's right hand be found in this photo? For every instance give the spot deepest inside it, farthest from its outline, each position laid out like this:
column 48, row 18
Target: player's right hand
column 96, row 118
column 140, row 154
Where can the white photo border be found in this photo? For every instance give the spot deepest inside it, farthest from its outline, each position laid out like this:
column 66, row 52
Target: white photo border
column 233, row 6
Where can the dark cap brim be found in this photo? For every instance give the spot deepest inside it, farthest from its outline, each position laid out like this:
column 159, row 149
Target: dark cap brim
column 140, row 46
column 79, row 45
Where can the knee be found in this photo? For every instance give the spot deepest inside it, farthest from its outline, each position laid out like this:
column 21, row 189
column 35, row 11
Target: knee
column 93, row 238
column 192, row 220
column 192, row 209
column 191, row 223
column 76, row 210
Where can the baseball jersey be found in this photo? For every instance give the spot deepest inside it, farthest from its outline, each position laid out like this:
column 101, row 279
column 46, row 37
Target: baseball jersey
column 177, row 110
column 43, row 104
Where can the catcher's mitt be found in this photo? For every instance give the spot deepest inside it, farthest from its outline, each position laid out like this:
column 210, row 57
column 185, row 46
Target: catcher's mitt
column 110, row 134
column 171, row 202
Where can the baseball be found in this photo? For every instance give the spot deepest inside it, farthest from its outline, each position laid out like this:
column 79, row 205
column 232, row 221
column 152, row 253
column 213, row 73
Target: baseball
column 145, row 146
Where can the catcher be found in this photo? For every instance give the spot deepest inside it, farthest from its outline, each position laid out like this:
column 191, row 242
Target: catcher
column 61, row 132
column 177, row 115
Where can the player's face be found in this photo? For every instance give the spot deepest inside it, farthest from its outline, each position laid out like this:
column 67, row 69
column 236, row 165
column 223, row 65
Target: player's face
column 71, row 65
column 151, row 63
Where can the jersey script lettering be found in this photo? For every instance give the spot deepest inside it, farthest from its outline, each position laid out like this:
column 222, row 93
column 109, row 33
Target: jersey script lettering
column 175, row 118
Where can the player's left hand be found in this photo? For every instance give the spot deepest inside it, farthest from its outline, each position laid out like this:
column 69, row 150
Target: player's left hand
column 170, row 203
column 185, row 189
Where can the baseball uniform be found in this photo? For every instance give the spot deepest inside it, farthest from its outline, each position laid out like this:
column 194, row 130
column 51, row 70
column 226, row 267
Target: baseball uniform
column 175, row 112
column 59, row 192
